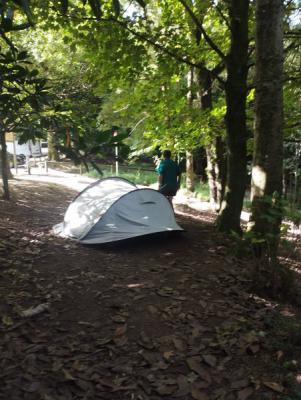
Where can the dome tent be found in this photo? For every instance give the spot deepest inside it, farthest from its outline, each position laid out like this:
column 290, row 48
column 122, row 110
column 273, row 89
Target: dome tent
column 114, row 209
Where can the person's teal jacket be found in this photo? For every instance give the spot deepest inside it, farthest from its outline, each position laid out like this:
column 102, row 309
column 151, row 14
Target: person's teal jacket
column 170, row 172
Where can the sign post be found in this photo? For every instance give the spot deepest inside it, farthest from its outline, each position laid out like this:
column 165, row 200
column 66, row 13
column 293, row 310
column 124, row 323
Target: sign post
column 115, row 133
column 15, row 154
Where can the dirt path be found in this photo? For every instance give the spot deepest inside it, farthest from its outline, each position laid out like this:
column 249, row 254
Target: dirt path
column 162, row 318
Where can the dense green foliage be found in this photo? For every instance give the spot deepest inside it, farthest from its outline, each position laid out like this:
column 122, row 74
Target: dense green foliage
column 23, row 94
column 115, row 64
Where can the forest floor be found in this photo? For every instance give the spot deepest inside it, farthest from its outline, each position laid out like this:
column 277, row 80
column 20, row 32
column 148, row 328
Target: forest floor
column 154, row 318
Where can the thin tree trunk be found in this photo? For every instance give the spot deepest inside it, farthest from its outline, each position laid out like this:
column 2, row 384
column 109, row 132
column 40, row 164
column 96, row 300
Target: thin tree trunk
column 200, row 163
column 189, row 155
column 211, row 172
column 267, row 172
column 189, row 172
column 4, row 166
column 216, row 170
column 53, row 154
column 236, row 92
column 215, row 154
column 222, row 170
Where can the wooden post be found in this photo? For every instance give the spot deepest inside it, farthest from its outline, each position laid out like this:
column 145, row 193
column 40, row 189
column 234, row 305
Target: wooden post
column 15, row 154
column 27, row 165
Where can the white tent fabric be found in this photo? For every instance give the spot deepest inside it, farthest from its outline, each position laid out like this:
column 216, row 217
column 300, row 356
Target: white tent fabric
column 114, row 209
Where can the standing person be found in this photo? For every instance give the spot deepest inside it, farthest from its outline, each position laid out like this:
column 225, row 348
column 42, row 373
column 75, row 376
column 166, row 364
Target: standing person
column 169, row 176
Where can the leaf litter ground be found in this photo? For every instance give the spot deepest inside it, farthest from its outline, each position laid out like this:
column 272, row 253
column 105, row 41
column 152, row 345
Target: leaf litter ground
column 153, row 318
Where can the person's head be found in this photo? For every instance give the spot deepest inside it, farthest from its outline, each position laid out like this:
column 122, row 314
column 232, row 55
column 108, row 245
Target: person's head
column 166, row 153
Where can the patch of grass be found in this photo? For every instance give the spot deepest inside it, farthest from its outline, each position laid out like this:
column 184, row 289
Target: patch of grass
column 247, row 204
column 293, row 214
column 201, row 189
column 136, row 175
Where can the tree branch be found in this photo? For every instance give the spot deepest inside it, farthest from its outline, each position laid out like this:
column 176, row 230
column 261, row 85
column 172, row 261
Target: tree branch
column 201, row 28
column 21, row 27
column 217, row 70
column 141, row 36
column 9, row 42
column 152, row 42
column 224, row 18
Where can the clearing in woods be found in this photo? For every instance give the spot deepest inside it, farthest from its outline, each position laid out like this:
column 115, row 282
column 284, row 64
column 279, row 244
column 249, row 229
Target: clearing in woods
column 152, row 318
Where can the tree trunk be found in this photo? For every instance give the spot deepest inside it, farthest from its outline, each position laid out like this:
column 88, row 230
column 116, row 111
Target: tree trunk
column 236, row 92
column 211, row 172
column 189, row 155
column 189, row 172
column 267, row 178
column 53, row 154
column 200, row 163
column 214, row 152
column 216, row 169
column 222, row 170
column 4, row 166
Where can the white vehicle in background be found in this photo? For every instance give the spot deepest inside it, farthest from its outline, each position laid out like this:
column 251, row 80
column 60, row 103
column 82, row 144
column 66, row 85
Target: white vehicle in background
column 44, row 148
column 29, row 149
column 21, row 154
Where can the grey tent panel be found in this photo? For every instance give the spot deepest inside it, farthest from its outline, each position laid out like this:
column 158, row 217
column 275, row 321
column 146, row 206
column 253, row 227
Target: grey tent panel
column 113, row 209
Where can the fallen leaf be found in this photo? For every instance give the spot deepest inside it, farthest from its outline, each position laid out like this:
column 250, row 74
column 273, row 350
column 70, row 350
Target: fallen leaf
column 103, row 341
column 159, row 365
column 245, row 393
column 120, row 330
column 6, row 320
column 197, row 394
column 203, row 303
column 30, row 312
column 277, row 387
column 220, row 393
column 57, row 366
column 239, row 384
column 120, row 341
column 254, row 348
column 195, row 333
column 179, row 344
column 210, row 360
column 168, row 354
column 194, row 364
column 118, row 318
column 32, row 387
column 163, row 389
column 152, row 309
column 145, row 341
column 166, row 291
column 67, row 375
column 107, row 382
column 78, row 366
column 139, row 297
column 181, row 298
column 183, row 386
